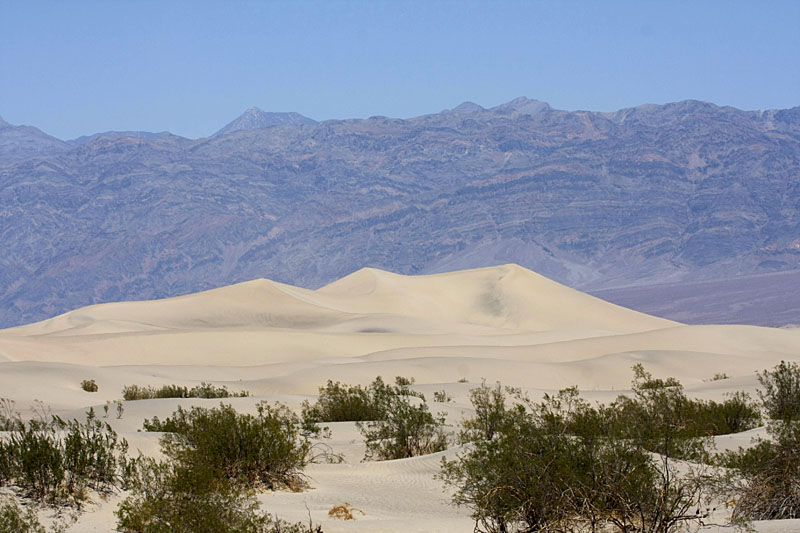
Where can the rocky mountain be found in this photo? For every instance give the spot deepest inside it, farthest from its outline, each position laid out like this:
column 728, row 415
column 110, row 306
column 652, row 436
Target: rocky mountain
column 255, row 119
column 653, row 194
column 18, row 143
column 114, row 134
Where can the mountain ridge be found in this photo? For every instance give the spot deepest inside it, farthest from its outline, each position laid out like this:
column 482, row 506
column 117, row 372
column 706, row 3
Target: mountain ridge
column 657, row 193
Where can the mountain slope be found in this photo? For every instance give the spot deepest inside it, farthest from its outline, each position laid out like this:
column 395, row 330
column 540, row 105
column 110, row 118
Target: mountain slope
column 683, row 191
column 18, row 143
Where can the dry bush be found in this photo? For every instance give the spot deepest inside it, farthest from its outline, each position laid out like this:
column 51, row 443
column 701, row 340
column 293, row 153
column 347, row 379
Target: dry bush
column 344, row 512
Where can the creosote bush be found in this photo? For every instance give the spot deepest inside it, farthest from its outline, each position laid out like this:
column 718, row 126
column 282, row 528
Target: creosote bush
column 172, row 497
column 441, row 396
column 563, row 465
column 216, row 458
column 407, row 431
column 395, row 420
column 338, row 402
column 56, row 461
column 766, row 479
column 15, row 519
column 89, row 385
column 265, row 449
column 204, row 390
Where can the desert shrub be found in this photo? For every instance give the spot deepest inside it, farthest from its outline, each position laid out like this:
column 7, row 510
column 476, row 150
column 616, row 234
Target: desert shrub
column 9, row 417
column 441, row 396
column 14, row 519
column 204, row 390
column 766, row 480
column 56, row 461
column 490, row 413
column 392, row 425
column 407, row 430
column 781, row 394
column 172, row 497
column 563, row 465
column 338, row 402
column 664, row 420
column 719, row 376
column 263, row 449
column 735, row 414
column 89, row 385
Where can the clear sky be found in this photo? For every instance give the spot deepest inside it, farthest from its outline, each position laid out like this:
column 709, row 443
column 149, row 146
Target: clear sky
column 75, row 68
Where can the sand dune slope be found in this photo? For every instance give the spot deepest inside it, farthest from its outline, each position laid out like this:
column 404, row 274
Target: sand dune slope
column 448, row 331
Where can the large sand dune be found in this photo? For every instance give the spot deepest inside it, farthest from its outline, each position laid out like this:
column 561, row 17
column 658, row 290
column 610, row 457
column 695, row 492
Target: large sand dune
column 281, row 342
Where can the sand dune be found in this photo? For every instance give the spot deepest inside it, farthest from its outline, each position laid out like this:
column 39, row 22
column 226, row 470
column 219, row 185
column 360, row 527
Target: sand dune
column 280, row 342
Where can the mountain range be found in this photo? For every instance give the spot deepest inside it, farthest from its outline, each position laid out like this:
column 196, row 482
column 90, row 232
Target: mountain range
column 675, row 193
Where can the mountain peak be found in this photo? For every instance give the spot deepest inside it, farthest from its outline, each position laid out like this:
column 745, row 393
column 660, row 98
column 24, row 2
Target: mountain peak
column 3, row 123
column 466, row 108
column 255, row 119
column 522, row 106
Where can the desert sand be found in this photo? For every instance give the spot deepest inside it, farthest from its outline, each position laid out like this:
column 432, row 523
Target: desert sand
column 448, row 331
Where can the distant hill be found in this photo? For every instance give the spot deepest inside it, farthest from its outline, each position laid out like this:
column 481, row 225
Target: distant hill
column 255, row 119
column 18, row 143
column 115, row 134
column 685, row 191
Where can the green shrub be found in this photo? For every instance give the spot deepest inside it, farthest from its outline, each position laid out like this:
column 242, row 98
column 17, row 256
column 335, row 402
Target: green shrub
column 216, row 457
column 664, row 420
column 265, row 449
column 441, row 396
column 766, row 483
column 204, row 390
column 563, row 465
column 56, row 461
column 89, row 385
column 407, row 430
column 9, row 417
column 171, row 497
column 14, row 519
column 353, row 403
column 781, row 395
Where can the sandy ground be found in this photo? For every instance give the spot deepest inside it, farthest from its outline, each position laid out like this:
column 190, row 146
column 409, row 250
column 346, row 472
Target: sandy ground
column 448, row 331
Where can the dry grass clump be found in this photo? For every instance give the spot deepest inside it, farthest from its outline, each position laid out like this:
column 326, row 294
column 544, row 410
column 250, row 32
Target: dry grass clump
column 344, row 512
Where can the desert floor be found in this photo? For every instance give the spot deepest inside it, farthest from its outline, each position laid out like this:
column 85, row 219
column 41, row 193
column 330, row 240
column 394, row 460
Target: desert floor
column 448, row 331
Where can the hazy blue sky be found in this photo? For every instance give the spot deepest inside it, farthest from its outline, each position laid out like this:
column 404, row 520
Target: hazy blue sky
column 74, row 68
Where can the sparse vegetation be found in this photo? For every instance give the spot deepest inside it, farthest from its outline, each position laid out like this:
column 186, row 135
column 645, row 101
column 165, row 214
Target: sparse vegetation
column 15, row 519
column 781, row 395
column 766, row 483
column 172, row 497
column 408, row 430
column 89, row 385
column 394, row 426
column 719, row 376
column 204, row 390
column 56, row 461
column 441, row 396
column 338, row 402
column 265, row 449
column 216, row 458
column 564, row 465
